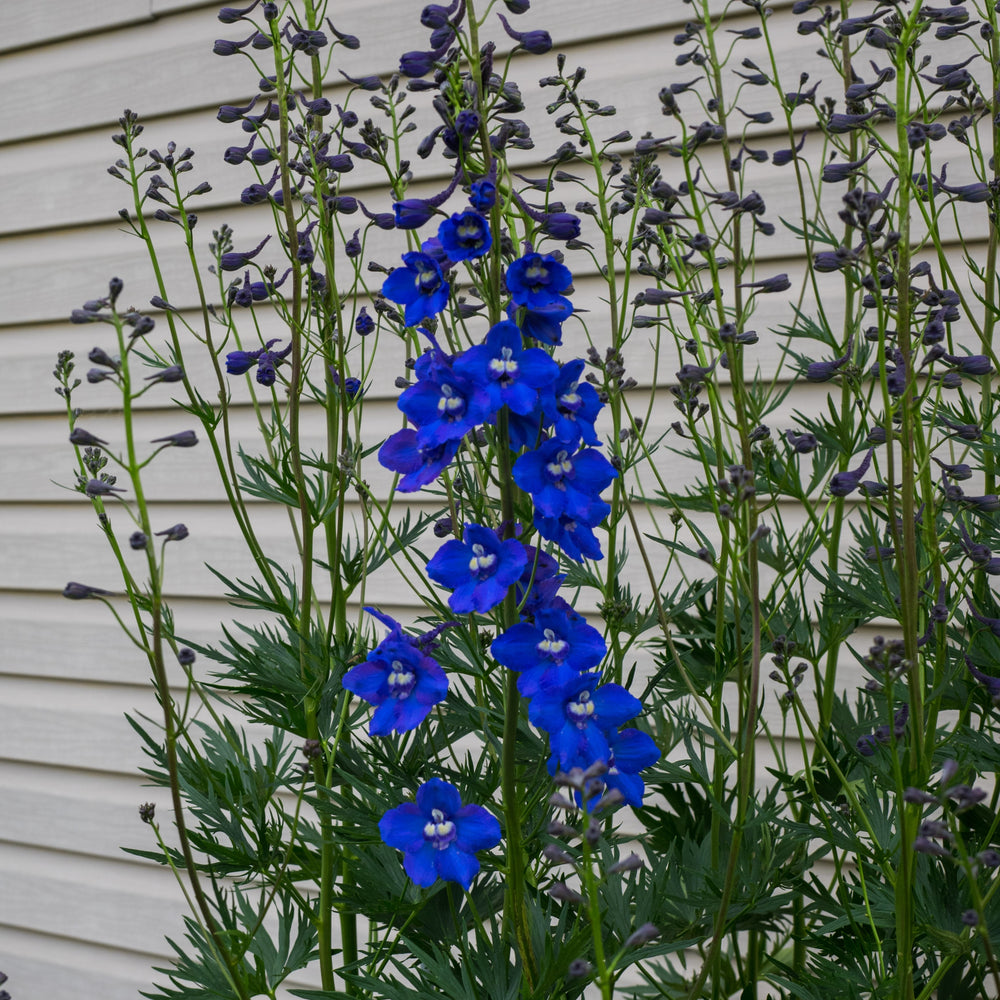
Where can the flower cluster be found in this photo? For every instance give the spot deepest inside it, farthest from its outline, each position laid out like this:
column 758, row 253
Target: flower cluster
column 549, row 413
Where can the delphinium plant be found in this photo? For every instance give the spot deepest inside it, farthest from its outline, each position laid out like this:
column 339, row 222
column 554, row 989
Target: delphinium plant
column 547, row 781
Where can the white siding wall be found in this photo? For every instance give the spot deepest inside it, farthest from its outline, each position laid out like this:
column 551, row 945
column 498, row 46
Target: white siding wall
column 79, row 919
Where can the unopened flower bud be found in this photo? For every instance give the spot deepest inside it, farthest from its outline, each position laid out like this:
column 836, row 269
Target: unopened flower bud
column 644, row 935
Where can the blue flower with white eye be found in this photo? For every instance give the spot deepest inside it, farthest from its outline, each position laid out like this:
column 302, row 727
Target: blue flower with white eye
column 579, row 716
column 479, row 568
column 550, row 650
column 563, row 481
column 418, row 286
column 631, row 752
column 575, row 538
column 572, row 406
column 510, row 374
column 542, row 323
column 439, row 836
column 418, row 466
column 399, row 678
column 537, row 280
column 444, row 407
column 465, row 236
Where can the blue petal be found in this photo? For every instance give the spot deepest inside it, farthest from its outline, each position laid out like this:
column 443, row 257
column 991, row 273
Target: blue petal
column 614, row 705
column 367, row 680
column 409, row 713
column 633, row 750
column 454, row 865
column 478, row 829
column 438, row 794
column 421, row 866
column 517, row 648
column 403, row 827
column 449, row 566
column 401, row 286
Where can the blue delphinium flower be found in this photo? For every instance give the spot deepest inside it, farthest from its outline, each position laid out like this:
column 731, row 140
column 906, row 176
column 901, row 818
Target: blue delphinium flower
column 464, row 236
column 399, row 678
column 537, row 280
column 444, row 407
column 572, row 406
column 543, row 323
column 419, row 286
column 439, row 836
column 479, row 568
column 510, row 374
column 632, row 751
column 579, row 715
column 562, row 481
column 418, row 466
column 550, row 650
column 574, row 537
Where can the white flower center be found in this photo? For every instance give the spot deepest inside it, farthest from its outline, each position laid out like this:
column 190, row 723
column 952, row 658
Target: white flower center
column 401, row 680
column 552, row 645
column 481, row 559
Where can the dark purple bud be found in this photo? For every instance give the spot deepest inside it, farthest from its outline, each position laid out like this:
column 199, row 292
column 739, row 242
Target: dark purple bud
column 845, row 483
column 182, row 439
column 84, row 439
column 100, row 488
column 918, row 797
column 222, row 47
column 970, row 918
column 840, row 123
column 237, row 260
column 364, row 82
column 923, row 845
column 185, row 656
column 535, row 42
column 517, row 6
column 989, row 858
column 967, row 432
column 138, row 540
column 854, row 25
column 802, row 444
column 992, row 684
column 865, row 745
column 384, row 220
column 353, row 246
column 966, row 797
column 823, row 371
column 364, row 324
column 781, row 157
column 779, row 283
column 348, row 41
column 80, row 592
column 969, row 364
column 175, row 533
column 96, row 375
column 230, row 15
column 173, row 373
column 419, row 64
column 342, row 204
column 643, row 935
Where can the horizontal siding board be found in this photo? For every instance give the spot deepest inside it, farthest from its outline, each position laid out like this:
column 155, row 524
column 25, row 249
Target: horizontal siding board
column 179, row 49
column 99, row 902
column 39, row 964
column 46, row 462
column 47, row 21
